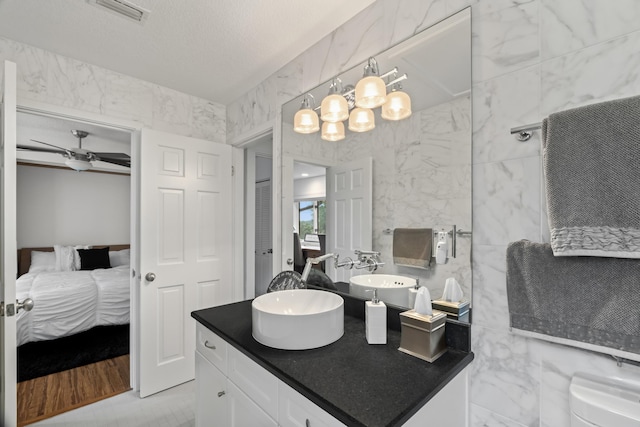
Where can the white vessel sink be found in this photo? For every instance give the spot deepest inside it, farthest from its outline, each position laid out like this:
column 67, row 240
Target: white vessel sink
column 391, row 289
column 297, row 319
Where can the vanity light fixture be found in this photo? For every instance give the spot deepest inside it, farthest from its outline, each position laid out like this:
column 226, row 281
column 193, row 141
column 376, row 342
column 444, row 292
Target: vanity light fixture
column 332, row 131
column 306, row 119
column 371, row 92
column 334, row 107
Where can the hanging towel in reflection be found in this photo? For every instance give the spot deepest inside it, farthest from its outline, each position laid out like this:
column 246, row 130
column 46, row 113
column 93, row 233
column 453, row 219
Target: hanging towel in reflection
column 591, row 300
column 412, row 247
column 592, row 176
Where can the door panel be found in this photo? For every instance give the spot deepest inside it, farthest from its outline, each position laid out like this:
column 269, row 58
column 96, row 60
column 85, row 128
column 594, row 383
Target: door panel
column 349, row 212
column 8, row 243
column 186, row 242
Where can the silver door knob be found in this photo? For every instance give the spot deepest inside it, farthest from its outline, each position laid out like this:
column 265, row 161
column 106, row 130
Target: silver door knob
column 289, row 261
column 150, row 277
column 26, row 305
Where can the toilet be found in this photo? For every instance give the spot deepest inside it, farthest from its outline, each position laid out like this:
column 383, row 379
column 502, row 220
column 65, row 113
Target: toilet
column 604, row 402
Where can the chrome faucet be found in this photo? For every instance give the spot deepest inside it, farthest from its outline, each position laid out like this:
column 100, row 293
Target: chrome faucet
column 369, row 260
column 311, row 261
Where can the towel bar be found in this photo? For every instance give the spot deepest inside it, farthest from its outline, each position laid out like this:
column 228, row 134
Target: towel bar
column 523, row 133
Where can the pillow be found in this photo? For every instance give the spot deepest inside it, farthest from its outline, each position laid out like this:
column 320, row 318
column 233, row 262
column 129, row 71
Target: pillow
column 65, row 258
column 76, row 255
column 42, row 261
column 90, row 259
column 118, row 258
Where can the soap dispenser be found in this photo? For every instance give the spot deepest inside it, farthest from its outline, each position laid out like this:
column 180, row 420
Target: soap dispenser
column 375, row 317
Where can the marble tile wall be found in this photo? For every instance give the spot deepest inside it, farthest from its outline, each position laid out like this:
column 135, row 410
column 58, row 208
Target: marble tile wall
column 56, row 80
column 530, row 58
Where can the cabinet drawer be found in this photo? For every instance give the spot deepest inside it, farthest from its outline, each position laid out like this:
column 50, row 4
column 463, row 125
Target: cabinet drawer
column 295, row 410
column 258, row 383
column 212, row 347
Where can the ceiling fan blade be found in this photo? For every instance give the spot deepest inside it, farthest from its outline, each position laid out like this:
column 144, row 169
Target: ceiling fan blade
column 112, row 155
column 66, row 150
column 125, row 163
column 40, row 149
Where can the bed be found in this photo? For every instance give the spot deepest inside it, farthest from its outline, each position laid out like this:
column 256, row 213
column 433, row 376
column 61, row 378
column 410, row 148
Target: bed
column 73, row 288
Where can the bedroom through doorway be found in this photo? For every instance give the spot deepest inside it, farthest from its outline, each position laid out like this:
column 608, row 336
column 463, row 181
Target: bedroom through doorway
column 73, row 239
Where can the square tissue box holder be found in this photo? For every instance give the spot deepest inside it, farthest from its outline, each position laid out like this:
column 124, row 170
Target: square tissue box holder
column 454, row 310
column 423, row 335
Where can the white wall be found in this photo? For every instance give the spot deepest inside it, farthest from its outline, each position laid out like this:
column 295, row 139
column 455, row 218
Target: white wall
column 530, row 58
column 62, row 206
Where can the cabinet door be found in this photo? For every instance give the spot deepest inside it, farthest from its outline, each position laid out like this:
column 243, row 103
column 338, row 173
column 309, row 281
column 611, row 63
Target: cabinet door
column 243, row 412
column 211, row 390
column 295, row 410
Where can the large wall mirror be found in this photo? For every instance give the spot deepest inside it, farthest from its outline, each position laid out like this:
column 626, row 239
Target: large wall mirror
column 419, row 167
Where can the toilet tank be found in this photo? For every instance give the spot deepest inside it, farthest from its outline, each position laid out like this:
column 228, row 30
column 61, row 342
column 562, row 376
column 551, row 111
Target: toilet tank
column 604, row 402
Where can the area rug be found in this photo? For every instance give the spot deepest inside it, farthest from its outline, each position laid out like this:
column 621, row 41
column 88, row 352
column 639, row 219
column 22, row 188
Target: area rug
column 37, row 359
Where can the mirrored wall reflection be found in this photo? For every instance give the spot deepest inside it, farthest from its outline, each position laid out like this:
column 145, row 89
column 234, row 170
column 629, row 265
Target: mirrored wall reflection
column 421, row 165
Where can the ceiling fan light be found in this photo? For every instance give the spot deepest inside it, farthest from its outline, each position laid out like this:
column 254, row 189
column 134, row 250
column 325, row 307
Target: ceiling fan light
column 397, row 107
column 79, row 165
column 333, row 131
column 361, row 120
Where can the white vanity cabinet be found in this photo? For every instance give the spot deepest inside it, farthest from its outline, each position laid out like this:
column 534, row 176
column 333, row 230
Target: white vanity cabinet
column 233, row 390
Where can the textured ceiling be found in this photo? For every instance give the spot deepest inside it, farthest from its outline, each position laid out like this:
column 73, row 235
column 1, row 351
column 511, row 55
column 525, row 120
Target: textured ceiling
column 214, row 49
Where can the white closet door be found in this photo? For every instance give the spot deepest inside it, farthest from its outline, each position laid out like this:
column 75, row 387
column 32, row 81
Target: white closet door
column 264, row 250
column 185, row 250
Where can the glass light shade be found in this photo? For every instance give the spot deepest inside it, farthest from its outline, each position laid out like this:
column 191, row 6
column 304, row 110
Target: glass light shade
column 371, row 92
column 332, row 131
column 306, row 121
column 334, row 108
column 79, row 165
column 361, row 120
column 397, row 107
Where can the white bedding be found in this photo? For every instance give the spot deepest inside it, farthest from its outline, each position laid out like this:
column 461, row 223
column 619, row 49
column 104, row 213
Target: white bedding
column 68, row 302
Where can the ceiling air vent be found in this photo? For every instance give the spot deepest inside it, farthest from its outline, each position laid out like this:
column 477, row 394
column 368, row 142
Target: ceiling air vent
column 123, row 8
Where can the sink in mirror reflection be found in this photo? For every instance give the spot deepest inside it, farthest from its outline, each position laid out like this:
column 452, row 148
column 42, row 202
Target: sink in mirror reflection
column 416, row 172
column 298, row 319
column 390, row 288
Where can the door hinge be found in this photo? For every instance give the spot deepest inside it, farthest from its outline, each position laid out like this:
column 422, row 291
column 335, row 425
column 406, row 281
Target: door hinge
column 233, row 170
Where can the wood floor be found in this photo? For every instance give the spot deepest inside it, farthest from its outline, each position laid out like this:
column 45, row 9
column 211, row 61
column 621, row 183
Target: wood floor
column 53, row 394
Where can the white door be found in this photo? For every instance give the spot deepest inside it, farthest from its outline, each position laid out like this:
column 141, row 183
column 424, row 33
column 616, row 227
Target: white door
column 185, row 250
column 264, row 244
column 8, row 243
column 349, row 213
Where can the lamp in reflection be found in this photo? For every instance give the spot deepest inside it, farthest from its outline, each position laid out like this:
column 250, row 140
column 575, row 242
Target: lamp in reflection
column 398, row 104
column 361, row 120
column 332, row 131
column 306, row 119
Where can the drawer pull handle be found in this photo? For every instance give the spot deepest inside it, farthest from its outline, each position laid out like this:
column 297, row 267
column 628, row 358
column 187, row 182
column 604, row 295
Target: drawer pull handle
column 307, row 423
column 221, row 393
column 211, row 346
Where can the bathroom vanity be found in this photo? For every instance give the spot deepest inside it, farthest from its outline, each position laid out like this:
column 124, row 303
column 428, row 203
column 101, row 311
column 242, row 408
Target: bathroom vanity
column 241, row 382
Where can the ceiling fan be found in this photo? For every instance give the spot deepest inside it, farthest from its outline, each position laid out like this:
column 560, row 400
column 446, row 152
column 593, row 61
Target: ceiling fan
column 79, row 158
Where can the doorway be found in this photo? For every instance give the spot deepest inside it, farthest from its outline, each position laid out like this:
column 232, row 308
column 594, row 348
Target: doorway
column 59, row 206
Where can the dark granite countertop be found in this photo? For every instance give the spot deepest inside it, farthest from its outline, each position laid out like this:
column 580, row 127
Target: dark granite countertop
column 357, row 383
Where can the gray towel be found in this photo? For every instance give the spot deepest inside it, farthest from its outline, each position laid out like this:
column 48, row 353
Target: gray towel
column 412, row 247
column 592, row 171
column 587, row 299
